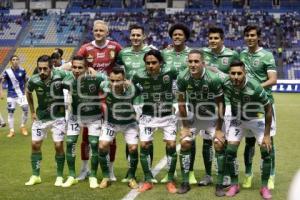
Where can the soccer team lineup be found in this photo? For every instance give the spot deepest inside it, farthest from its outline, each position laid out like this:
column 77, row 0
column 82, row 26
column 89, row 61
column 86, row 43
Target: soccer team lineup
column 220, row 95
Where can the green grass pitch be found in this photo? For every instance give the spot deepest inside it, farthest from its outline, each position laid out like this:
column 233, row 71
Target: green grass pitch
column 16, row 168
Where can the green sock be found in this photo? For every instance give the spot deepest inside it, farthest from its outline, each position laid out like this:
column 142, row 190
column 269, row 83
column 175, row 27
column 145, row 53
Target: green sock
column 185, row 161
column 151, row 152
column 104, row 163
column 146, row 163
column 207, row 153
column 171, row 161
column 133, row 162
column 266, row 166
column 94, row 141
column 36, row 159
column 193, row 155
column 71, row 153
column 249, row 153
column 220, row 156
column 60, row 163
column 273, row 154
column 231, row 162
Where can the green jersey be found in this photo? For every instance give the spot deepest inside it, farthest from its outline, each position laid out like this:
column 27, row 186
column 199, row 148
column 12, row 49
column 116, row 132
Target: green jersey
column 120, row 107
column 247, row 102
column 176, row 59
column 85, row 94
column 132, row 60
column 156, row 91
column 201, row 91
column 222, row 60
column 258, row 65
column 49, row 95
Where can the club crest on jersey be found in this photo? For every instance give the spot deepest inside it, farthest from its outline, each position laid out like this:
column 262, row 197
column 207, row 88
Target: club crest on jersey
column 112, row 54
column 90, row 58
column 256, row 62
column 205, row 88
column 166, row 79
column 246, row 98
column 225, row 61
column 92, row 88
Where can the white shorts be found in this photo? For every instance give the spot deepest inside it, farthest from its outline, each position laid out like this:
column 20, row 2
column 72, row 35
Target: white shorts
column 57, row 126
column 250, row 134
column 94, row 126
column 11, row 102
column 130, row 131
column 148, row 125
column 239, row 128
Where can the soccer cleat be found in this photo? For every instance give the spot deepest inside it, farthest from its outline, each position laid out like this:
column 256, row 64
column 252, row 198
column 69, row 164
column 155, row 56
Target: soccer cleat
column 2, row 124
column 247, row 183
column 171, row 187
column 10, row 134
column 133, row 184
column 233, row 190
column 84, row 173
column 125, row 180
column 153, row 180
column 184, row 188
column 206, row 180
column 24, row 131
column 93, row 182
column 104, row 183
column 265, row 193
column 59, row 181
column 219, row 191
column 146, row 186
column 70, row 181
column 33, row 180
column 271, row 182
column 192, row 178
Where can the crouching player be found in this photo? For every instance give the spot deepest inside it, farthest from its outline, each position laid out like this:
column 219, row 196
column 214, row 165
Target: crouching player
column 120, row 117
column 85, row 111
column 251, row 111
column 49, row 114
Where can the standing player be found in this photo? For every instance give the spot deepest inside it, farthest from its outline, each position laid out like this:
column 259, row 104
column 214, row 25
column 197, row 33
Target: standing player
column 155, row 84
column 16, row 78
column 217, row 58
column 120, row 117
column 176, row 56
column 251, row 111
column 101, row 55
column 132, row 60
column 202, row 90
column 49, row 115
column 85, row 111
column 260, row 65
column 2, row 122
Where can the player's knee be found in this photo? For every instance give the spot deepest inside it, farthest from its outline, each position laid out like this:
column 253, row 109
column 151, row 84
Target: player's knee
column 145, row 145
column 36, row 146
column 170, row 144
column 59, row 147
column 186, row 144
column 11, row 110
column 219, row 146
column 104, row 146
column 132, row 148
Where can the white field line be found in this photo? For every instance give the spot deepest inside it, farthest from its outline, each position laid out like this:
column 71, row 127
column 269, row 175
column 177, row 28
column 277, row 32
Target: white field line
column 160, row 165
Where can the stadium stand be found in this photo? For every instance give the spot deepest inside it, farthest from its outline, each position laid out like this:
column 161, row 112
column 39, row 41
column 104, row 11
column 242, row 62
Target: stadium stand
column 3, row 53
column 28, row 56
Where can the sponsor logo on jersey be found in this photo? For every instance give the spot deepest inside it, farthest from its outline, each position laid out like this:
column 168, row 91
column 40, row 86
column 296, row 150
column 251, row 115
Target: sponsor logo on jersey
column 92, row 88
column 225, row 61
column 20, row 74
column 112, row 54
column 111, row 46
column 166, row 79
column 89, row 48
column 100, row 55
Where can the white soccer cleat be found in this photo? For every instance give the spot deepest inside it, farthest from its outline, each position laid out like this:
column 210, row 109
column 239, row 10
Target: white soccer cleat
column 33, row 180
column 59, row 181
column 93, row 182
column 70, row 181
